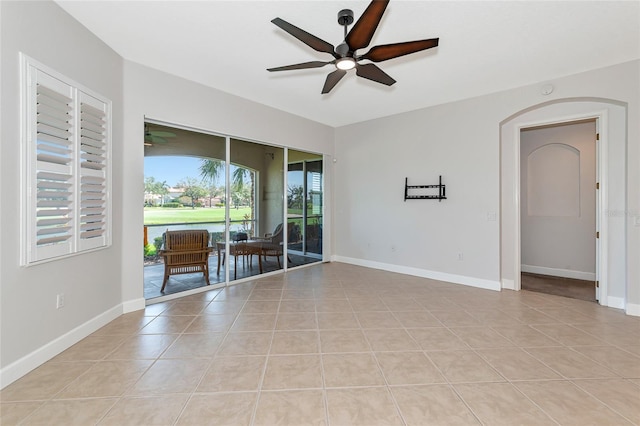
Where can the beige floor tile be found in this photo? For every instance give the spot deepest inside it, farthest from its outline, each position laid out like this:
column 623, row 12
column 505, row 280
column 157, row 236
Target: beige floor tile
column 570, row 363
column 194, row 346
column 402, row 304
column 297, row 321
column 168, row 325
column 529, row 316
column 620, row 362
column 293, row 372
column 464, row 366
column 351, row 369
column 157, row 308
column 490, row 316
column 185, row 308
column 91, row 348
column 211, row 323
column 246, row 343
column 432, row 405
column 377, row 320
column 454, row 318
column 254, row 322
column 362, row 406
column 327, row 292
column 516, row 364
column 228, row 409
column 632, row 349
column 408, row 368
column 148, row 411
column 235, row 373
column 45, row 381
column 71, row 412
column 106, row 378
column 416, row 319
column 295, row 342
column 297, row 293
column 12, row 413
column 620, row 395
column 390, row 340
column 261, row 307
column 368, row 304
column 288, row 306
column 565, row 315
column 125, row 324
column 224, row 307
column 260, row 294
column 333, row 305
column 568, row 335
column 167, row 376
column 569, row 405
column 143, row 346
column 481, row 337
column 501, row 404
column 337, row 320
column 297, row 407
column 204, row 296
column 525, row 335
column 436, row 339
column 343, row 341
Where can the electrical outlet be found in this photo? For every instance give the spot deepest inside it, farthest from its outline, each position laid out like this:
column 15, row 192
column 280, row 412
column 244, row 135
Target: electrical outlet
column 460, row 256
column 60, row 301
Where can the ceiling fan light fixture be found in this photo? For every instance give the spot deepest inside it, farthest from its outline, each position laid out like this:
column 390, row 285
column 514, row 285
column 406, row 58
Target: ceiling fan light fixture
column 345, row 63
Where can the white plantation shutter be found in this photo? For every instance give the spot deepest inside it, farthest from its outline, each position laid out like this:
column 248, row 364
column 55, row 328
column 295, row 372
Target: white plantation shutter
column 93, row 167
column 66, row 181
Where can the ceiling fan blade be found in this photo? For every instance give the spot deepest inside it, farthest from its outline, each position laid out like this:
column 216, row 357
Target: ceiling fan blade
column 373, row 73
column 308, row 39
column 390, row 51
column 333, row 79
column 304, row 65
column 155, row 139
column 362, row 32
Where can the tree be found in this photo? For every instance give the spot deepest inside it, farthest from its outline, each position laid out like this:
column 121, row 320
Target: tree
column 210, row 169
column 154, row 187
column 191, row 188
column 295, row 197
column 214, row 191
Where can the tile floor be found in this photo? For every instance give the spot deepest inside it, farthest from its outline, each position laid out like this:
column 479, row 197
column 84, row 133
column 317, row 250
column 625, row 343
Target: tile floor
column 336, row 344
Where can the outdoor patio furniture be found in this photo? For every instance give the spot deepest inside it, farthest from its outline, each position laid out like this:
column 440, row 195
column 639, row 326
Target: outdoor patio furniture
column 185, row 252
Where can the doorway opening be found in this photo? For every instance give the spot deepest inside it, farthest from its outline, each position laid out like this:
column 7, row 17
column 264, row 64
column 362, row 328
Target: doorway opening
column 558, row 209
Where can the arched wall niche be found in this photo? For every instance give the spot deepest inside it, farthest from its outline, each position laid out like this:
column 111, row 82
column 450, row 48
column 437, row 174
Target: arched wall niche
column 611, row 118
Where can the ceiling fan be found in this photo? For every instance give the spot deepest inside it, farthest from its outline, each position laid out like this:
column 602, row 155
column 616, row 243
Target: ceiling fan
column 152, row 137
column 358, row 38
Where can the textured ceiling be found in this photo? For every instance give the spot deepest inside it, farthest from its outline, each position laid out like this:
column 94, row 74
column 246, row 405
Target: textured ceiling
column 484, row 47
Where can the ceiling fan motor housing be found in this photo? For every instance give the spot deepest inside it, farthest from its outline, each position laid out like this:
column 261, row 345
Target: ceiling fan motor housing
column 345, row 17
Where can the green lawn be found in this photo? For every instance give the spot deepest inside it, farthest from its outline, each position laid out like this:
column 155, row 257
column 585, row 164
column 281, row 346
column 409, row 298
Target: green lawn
column 164, row 216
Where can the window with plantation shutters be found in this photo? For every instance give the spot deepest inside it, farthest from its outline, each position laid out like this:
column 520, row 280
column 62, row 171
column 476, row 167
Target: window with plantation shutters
column 66, row 151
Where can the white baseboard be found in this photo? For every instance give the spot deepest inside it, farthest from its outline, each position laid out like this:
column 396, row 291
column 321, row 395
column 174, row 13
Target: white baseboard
column 133, row 305
column 615, row 302
column 508, row 284
column 19, row 368
column 632, row 309
column 424, row 273
column 557, row 272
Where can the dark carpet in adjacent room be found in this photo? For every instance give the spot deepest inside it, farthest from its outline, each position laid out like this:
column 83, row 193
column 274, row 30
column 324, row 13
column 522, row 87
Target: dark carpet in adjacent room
column 559, row 286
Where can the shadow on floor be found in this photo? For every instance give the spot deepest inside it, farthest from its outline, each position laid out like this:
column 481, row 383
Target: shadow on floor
column 559, row 286
column 154, row 274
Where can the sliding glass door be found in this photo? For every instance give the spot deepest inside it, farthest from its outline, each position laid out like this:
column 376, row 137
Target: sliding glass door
column 304, row 204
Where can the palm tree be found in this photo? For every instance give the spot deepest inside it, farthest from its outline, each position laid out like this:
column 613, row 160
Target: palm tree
column 211, row 169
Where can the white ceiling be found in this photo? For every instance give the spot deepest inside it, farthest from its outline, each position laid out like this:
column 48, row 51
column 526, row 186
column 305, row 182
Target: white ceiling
column 484, row 47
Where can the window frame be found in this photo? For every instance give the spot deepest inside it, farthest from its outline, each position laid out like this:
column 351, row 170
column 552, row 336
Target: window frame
column 88, row 167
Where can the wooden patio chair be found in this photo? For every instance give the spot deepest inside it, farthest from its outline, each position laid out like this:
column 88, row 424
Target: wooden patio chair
column 185, row 252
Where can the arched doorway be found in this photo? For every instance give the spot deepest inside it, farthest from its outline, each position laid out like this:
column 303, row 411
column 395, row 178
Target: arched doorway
column 611, row 119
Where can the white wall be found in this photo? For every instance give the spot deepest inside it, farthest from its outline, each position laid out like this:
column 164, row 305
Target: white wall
column 461, row 141
column 164, row 97
column 558, row 200
column 32, row 328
